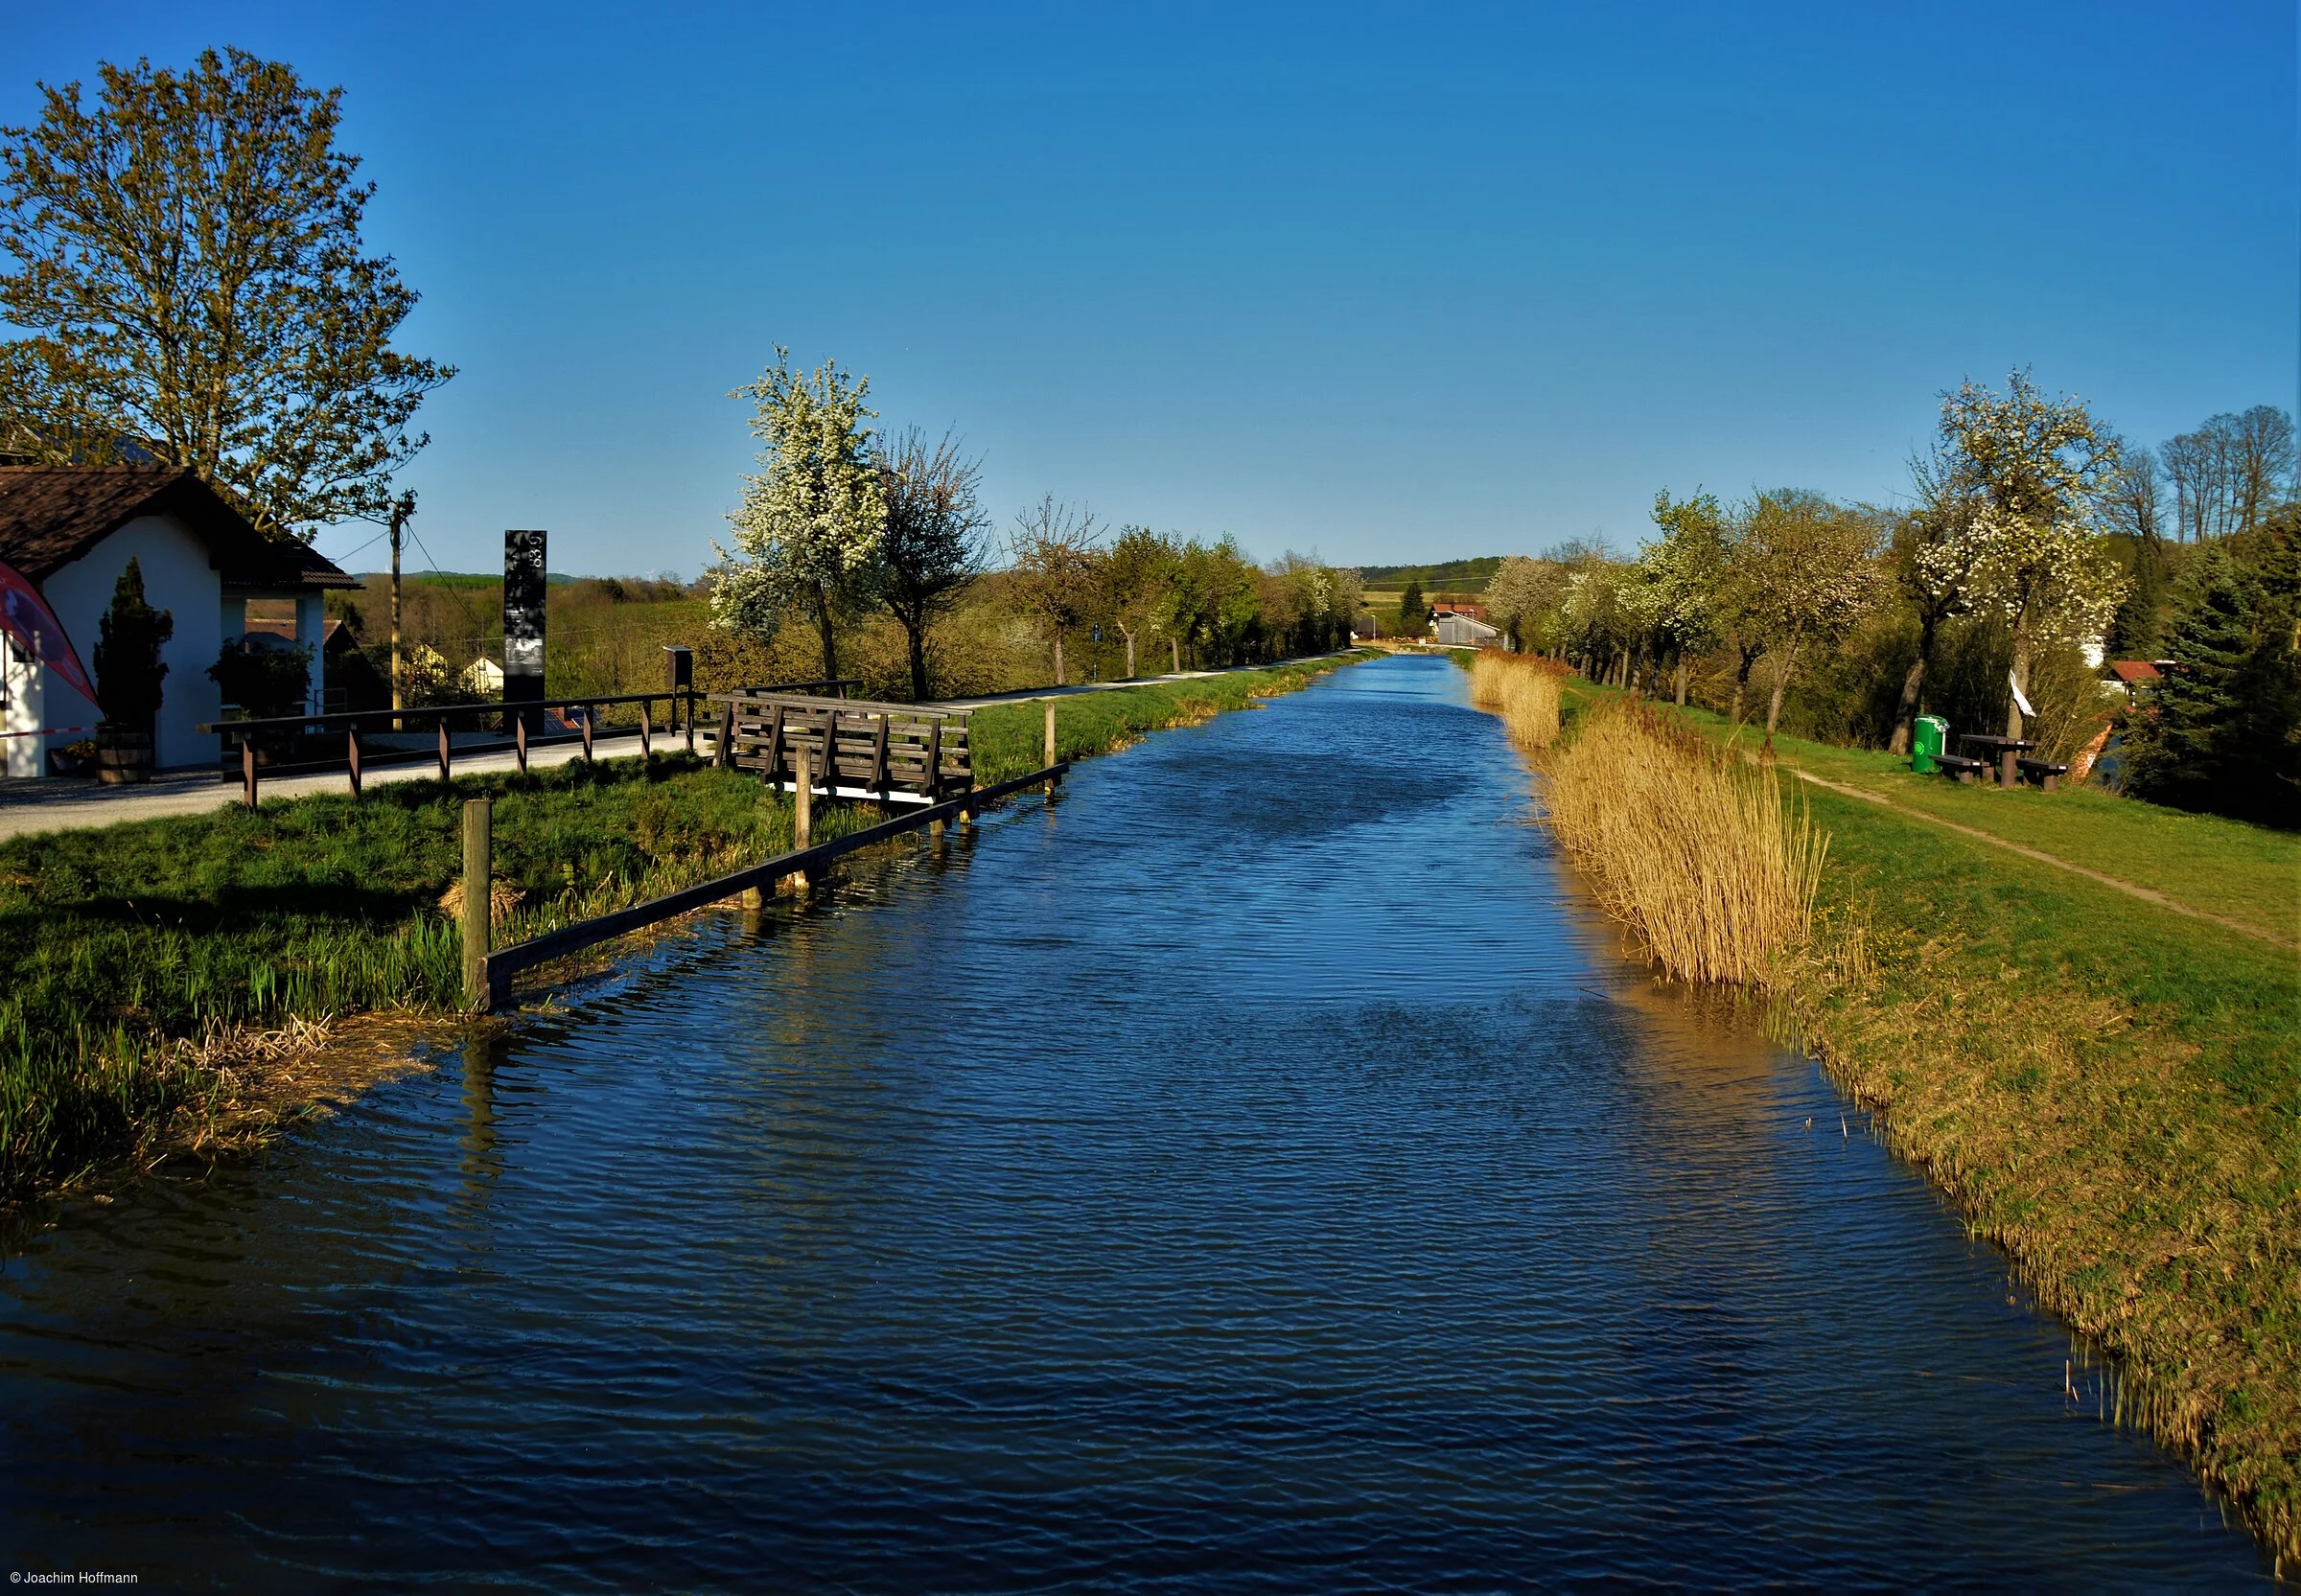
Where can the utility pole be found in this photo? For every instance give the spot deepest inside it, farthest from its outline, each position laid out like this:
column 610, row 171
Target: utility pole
column 402, row 508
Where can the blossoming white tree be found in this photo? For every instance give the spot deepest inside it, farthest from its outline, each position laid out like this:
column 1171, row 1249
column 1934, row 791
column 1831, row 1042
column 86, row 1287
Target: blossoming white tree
column 2033, row 470
column 809, row 531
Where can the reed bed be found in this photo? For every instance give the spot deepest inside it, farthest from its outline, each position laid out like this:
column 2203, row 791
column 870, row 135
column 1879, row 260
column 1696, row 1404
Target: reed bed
column 1523, row 689
column 1690, row 844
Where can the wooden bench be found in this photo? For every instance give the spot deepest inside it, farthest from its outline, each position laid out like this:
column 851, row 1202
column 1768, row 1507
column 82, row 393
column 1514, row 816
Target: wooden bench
column 2046, row 772
column 1961, row 767
column 888, row 752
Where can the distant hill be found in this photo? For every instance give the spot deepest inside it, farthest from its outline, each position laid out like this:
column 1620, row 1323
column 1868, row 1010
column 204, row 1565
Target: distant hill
column 1450, row 576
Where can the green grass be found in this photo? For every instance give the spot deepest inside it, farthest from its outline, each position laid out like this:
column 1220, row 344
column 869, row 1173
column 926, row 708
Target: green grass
column 2243, row 872
column 2111, row 1090
column 120, row 945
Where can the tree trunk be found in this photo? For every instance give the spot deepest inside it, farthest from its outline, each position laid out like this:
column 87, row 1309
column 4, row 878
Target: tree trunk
column 1905, row 713
column 831, row 640
column 1681, row 670
column 2021, row 679
column 1176, row 643
column 916, row 637
column 1059, row 657
column 1129, row 656
column 1781, row 682
column 1741, row 682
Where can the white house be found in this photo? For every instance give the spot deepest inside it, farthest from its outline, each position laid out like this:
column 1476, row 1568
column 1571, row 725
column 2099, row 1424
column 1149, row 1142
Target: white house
column 71, row 530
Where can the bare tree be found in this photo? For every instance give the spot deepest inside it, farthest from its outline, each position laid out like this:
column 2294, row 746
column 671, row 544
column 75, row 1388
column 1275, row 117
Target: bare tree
column 931, row 545
column 2261, row 450
column 2198, row 473
column 2133, row 499
column 1057, row 549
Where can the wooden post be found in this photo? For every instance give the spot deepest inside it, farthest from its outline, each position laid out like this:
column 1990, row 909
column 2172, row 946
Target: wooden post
column 247, row 769
column 690, row 723
column 351, row 740
column 646, row 729
column 725, row 750
column 934, row 770
column 587, row 733
column 479, row 881
column 803, row 811
column 1049, row 759
column 443, row 750
column 519, row 738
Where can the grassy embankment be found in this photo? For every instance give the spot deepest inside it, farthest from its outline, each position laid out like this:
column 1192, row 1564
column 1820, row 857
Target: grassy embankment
column 135, row 958
column 2109, row 1089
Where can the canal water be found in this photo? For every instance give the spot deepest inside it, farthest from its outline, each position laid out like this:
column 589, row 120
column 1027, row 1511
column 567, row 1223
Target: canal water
column 1256, row 1171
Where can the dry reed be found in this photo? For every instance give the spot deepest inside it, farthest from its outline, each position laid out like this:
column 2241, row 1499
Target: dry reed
column 1687, row 844
column 1523, row 691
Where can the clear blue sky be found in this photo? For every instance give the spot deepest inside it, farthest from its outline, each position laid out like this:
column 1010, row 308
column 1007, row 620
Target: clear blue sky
column 1391, row 283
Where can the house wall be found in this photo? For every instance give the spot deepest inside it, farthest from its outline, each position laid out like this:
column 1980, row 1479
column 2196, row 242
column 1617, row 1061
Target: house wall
column 26, row 689
column 176, row 578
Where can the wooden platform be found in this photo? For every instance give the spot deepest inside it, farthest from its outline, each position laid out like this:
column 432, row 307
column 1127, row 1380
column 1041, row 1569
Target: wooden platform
column 888, row 753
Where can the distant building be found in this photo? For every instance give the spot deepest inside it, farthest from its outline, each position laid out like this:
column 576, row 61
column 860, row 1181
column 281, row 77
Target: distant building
column 484, row 677
column 71, row 530
column 1459, row 631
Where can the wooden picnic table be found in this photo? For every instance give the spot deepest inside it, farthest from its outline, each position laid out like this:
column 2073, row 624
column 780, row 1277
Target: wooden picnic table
column 2004, row 750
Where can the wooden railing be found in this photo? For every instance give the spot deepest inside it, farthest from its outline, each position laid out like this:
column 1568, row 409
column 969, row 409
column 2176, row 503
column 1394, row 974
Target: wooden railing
column 532, row 724
column 890, row 752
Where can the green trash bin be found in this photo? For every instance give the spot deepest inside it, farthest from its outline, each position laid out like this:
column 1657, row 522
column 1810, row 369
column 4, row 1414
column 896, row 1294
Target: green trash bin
column 1929, row 735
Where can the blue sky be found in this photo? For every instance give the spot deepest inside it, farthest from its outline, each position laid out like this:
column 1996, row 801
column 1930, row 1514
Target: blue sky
column 1392, row 284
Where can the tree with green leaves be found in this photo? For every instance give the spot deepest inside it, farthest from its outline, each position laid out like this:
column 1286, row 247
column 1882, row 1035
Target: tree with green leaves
column 1138, row 573
column 1687, row 571
column 186, row 266
column 1056, row 567
column 809, row 532
column 129, row 635
column 1413, row 611
column 931, row 546
column 1808, row 573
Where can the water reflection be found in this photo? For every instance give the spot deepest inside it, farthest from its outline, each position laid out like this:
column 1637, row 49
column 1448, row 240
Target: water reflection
column 1262, row 1171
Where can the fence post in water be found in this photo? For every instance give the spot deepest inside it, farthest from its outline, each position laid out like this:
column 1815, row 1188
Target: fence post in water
column 803, row 812
column 1048, row 762
column 478, row 882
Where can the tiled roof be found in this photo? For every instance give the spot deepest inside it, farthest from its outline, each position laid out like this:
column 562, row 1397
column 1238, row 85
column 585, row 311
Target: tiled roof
column 52, row 515
column 2130, row 671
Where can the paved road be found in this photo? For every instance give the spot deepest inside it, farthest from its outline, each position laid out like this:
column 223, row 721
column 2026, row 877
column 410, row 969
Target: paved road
column 63, row 805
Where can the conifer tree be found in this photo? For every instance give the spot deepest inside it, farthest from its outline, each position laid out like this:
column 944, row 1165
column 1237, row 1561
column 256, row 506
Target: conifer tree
column 2223, row 730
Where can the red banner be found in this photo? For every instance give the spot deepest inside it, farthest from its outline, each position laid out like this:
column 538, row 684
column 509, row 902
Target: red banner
column 25, row 615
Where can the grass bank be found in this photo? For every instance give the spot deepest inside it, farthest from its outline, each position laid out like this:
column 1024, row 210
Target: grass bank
column 134, row 957
column 2109, row 1089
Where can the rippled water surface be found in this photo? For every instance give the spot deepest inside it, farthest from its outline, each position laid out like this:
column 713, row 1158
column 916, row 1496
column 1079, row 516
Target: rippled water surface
column 1256, row 1171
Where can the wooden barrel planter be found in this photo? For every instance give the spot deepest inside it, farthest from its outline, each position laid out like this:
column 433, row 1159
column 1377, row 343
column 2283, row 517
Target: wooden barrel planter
column 123, row 758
